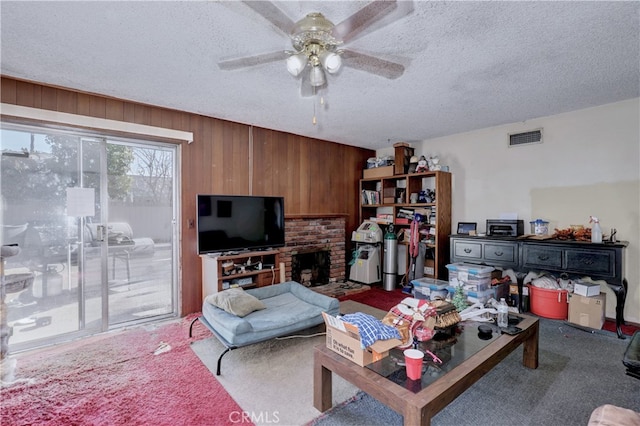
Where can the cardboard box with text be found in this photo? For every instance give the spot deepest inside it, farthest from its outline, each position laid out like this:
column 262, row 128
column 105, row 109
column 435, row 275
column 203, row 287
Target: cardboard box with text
column 344, row 339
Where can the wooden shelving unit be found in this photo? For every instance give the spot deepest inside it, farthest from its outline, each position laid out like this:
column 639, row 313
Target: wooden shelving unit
column 393, row 195
column 246, row 266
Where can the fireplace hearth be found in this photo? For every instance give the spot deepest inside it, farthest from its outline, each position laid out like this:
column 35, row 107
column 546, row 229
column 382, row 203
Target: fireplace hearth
column 311, row 269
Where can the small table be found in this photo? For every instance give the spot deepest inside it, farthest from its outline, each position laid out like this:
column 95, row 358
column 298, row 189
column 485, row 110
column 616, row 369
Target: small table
column 418, row 405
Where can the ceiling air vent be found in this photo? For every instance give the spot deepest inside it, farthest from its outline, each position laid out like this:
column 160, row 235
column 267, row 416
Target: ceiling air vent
column 525, row 138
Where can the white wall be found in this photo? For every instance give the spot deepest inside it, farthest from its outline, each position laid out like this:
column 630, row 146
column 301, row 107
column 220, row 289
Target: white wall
column 588, row 164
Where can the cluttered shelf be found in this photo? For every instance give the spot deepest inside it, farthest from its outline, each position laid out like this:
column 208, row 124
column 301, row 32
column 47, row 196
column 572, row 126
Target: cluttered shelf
column 246, row 254
column 250, row 273
column 245, row 269
column 407, row 200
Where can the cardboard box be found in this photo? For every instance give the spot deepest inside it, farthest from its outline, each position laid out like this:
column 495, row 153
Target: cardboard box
column 586, row 289
column 587, row 311
column 389, row 192
column 384, row 218
column 375, row 172
column 344, row 339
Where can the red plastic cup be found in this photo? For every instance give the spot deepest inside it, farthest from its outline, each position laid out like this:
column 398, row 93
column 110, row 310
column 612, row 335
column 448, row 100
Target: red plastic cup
column 413, row 363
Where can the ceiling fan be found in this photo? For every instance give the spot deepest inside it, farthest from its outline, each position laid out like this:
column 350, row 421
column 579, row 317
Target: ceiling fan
column 317, row 44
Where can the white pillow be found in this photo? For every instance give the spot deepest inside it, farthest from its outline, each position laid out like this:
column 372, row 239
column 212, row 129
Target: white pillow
column 236, row 301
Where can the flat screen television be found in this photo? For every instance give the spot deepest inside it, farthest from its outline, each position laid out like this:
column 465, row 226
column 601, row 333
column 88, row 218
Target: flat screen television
column 239, row 222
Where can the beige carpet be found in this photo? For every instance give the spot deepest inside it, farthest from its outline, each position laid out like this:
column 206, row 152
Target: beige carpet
column 273, row 381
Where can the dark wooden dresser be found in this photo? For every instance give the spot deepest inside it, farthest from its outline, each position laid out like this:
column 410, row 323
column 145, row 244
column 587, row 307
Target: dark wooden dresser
column 603, row 261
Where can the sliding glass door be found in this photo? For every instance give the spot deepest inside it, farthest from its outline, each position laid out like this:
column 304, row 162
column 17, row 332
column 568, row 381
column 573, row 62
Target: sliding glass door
column 142, row 272
column 94, row 217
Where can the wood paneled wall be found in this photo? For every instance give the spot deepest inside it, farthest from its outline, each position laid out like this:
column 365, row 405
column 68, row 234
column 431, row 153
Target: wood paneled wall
column 314, row 176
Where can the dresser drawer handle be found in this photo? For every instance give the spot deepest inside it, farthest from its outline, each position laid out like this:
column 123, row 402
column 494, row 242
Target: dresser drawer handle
column 587, row 261
column 543, row 257
column 498, row 253
column 467, row 250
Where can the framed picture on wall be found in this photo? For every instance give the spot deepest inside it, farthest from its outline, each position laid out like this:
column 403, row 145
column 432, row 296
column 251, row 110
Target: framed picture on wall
column 467, row 228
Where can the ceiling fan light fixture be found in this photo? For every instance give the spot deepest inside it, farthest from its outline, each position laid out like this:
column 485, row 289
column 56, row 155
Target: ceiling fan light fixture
column 316, row 76
column 296, row 63
column 314, row 21
column 330, row 61
column 313, row 28
column 316, row 41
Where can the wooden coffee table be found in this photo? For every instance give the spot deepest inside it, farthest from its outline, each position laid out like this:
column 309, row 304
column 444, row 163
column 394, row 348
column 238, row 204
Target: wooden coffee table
column 418, row 407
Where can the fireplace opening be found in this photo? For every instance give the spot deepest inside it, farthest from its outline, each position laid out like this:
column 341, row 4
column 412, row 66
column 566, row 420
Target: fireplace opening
column 311, row 269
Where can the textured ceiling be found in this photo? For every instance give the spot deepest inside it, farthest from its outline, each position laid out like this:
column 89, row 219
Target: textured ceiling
column 468, row 65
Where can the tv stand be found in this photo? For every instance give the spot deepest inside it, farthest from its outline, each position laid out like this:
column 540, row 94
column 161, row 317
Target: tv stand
column 244, row 269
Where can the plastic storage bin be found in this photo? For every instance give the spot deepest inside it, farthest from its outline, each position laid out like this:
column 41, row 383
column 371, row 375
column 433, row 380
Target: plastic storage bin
column 426, row 288
column 548, row 303
column 539, row 227
column 480, row 296
column 432, row 283
column 473, row 277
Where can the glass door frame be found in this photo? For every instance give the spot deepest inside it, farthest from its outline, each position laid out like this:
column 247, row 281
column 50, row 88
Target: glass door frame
column 84, row 135
column 175, row 149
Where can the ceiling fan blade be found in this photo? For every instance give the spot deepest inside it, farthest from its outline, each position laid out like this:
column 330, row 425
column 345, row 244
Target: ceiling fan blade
column 352, row 26
column 250, row 61
column 373, row 65
column 271, row 13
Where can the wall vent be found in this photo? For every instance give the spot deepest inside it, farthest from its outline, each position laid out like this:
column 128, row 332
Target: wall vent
column 525, row 138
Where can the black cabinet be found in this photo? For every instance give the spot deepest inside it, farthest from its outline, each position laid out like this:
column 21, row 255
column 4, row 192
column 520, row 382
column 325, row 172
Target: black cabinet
column 599, row 261
column 539, row 256
column 491, row 252
column 469, row 250
column 594, row 260
column 504, row 254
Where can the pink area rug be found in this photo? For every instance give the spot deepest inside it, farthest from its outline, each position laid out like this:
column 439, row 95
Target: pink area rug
column 117, row 379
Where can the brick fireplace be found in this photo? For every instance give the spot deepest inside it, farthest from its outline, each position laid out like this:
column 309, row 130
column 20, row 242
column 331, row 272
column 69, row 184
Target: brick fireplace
column 311, row 268
column 316, row 233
